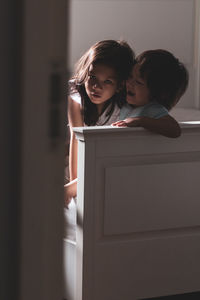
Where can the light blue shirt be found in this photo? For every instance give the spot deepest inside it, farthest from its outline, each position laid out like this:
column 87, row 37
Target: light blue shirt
column 151, row 110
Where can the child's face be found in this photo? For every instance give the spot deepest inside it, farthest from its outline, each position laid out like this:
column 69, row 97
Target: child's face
column 101, row 84
column 137, row 91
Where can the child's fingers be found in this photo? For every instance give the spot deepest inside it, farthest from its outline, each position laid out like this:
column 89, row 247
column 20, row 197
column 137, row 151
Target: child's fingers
column 115, row 123
column 121, row 123
column 118, row 122
column 133, row 122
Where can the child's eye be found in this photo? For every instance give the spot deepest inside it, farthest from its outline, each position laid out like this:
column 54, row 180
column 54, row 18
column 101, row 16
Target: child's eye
column 108, row 81
column 91, row 76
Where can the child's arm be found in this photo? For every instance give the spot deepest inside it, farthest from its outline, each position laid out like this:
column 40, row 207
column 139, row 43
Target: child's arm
column 75, row 120
column 166, row 125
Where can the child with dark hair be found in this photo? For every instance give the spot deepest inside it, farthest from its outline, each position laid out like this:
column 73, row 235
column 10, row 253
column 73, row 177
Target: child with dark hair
column 108, row 57
column 96, row 93
column 157, row 82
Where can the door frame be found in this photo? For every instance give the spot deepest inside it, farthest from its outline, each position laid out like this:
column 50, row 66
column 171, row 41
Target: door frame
column 42, row 149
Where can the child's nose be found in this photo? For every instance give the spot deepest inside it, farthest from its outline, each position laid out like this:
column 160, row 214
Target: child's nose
column 97, row 85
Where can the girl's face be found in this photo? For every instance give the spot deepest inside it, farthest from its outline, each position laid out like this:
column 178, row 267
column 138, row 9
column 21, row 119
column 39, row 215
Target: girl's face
column 101, row 84
column 137, row 91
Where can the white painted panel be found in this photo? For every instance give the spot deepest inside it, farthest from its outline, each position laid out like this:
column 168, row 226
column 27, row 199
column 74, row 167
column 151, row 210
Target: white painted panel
column 133, row 270
column 151, row 197
column 142, row 145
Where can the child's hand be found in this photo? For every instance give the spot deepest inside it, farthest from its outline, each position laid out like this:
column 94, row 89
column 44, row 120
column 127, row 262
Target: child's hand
column 129, row 122
column 70, row 191
column 166, row 125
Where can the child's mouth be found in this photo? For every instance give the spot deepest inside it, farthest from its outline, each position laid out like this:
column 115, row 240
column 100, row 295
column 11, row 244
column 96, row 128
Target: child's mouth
column 96, row 95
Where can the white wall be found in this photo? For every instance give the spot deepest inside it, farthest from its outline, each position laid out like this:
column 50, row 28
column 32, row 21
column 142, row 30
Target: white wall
column 145, row 24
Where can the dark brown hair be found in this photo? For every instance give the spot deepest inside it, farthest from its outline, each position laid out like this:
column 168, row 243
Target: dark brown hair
column 116, row 54
column 166, row 77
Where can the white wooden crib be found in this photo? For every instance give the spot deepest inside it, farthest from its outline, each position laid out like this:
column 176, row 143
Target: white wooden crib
column 138, row 215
